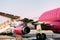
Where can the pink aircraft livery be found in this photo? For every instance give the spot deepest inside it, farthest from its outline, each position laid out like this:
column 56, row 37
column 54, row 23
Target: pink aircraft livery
column 51, row 17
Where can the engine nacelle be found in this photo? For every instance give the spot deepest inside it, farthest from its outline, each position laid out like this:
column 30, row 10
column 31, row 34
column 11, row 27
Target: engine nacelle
column 21, row 30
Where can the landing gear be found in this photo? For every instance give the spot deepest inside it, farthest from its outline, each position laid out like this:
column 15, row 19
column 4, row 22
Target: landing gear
column 43, row 36
column 55, row 31
column 40, row 36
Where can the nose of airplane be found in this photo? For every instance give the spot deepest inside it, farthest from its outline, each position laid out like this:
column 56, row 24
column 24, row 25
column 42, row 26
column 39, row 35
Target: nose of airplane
column 50, row 15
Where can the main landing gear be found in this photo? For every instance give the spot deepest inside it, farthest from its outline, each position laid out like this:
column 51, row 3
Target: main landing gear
column 40, row 36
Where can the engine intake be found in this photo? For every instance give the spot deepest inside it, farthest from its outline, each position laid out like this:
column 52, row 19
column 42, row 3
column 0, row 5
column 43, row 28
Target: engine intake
column 26, row 30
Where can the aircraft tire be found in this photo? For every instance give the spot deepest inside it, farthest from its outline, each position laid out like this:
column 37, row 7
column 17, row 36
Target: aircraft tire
column 54, row 31
column 38, row 36
column 43, row 36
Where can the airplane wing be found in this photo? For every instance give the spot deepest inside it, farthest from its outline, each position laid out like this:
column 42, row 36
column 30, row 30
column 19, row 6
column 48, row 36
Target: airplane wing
column 9, row 15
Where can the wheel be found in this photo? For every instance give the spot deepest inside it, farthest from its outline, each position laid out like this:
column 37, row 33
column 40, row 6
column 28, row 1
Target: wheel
column 38, row 36
column 3, row 33
column 10, row 34
column 43, row 36
column 55, row 31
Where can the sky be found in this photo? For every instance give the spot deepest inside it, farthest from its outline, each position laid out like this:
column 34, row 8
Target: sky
column 28, row 8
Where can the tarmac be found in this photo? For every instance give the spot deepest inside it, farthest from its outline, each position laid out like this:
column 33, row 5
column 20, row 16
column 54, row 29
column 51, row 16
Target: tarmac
column 32, row 36
column 49, row 34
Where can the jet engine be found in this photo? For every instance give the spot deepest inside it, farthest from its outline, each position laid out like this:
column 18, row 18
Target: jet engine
column 21, row 30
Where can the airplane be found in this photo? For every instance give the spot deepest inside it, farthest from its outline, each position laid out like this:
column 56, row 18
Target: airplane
column 50, row 21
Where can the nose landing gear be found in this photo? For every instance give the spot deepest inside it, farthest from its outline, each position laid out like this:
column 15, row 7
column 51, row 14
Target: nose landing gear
column 40, row 36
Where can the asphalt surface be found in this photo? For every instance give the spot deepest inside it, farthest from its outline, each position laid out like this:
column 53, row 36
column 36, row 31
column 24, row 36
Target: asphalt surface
column 50, row 39
column 49, row 36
